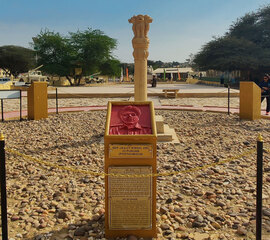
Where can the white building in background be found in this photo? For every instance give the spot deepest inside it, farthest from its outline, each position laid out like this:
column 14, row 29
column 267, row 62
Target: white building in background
column 173, row 73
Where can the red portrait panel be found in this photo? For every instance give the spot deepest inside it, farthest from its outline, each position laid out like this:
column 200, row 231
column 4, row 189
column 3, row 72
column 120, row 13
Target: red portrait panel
column 130, row 120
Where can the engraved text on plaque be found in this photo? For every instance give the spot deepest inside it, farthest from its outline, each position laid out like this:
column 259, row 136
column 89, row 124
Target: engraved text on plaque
column 130, row 198
column 130, row 151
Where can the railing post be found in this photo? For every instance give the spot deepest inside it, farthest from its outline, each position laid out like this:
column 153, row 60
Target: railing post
column 229, row 98
column 20, row 105
column 259, row 188
column 56, row 96
column 3, row 188
column 2, row 109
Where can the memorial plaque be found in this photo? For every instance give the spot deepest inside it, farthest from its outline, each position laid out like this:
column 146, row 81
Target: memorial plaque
column 130, row 151
column 130, row 198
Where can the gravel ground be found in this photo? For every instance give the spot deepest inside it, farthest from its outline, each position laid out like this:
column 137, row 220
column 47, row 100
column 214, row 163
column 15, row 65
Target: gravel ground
column 215, row 203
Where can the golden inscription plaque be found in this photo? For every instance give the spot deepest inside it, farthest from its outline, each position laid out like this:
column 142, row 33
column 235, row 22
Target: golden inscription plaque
column 130, row 151
column 130, row 198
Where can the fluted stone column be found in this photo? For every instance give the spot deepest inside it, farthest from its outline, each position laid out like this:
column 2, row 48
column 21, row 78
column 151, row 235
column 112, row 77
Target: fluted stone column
column 140, row 43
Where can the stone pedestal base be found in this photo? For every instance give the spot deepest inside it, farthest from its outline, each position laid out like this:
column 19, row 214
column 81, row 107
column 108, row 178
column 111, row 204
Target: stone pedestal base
column 164, row 132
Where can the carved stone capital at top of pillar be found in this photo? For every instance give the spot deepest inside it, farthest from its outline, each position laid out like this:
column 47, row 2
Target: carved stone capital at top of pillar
column 140, row 43
column 140, row 25
column 140, row 54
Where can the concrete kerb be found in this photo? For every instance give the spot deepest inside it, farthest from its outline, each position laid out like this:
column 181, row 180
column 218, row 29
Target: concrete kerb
column 265, row 117
column 206, row 95
column 193, row 109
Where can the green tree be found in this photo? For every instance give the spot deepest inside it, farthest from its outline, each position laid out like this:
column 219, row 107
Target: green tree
column 155, row 64
column 160, row 64
column 111, row 68
column 228, row 54
column 15, row 59
column 87, row 50
column 246, row 46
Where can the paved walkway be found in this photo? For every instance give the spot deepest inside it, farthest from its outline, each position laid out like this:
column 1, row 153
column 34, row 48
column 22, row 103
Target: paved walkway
column 129, row 88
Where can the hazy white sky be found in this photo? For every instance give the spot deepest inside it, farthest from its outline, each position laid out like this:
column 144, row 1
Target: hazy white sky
column 179, row 27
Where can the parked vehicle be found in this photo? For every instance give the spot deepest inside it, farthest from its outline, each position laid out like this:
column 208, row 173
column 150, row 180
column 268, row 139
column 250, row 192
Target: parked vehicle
column 94, row 80
column 4, row 80
column 32, row 76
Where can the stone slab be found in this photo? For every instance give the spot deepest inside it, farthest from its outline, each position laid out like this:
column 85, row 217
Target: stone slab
column 169, row 136
column 166, row 136
column 159, row 124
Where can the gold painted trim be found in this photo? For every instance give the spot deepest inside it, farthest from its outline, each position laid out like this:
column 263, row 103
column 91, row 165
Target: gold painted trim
column 260, row 138
column 2, row 137
column 108, row 118
column 126, row 103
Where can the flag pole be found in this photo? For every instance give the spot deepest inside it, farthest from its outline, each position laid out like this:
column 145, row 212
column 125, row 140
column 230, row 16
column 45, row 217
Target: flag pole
column 164, row 75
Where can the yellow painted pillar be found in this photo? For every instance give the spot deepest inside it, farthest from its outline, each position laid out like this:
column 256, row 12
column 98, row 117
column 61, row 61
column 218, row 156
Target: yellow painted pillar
column 140, row 43
column 37, row 101
column 250, row 101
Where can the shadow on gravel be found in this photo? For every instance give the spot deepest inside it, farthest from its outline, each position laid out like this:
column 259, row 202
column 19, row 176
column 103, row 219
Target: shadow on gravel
column 92, row 228
column 73, row 144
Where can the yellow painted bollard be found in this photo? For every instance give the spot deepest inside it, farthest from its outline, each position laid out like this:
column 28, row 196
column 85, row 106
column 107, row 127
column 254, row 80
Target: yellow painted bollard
column 37, row 101
column 250, row 101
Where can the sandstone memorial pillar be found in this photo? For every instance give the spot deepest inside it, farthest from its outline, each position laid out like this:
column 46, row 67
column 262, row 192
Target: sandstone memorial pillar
column 140, row 43
column 250, row 101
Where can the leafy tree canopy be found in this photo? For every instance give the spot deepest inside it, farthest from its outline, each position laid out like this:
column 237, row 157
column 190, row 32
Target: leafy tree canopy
column 246, row 46
column 160, row 64
column 111, row 68
column 89, row 50
column 15, row 59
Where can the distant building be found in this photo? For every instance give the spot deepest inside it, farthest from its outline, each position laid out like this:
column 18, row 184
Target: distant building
column 173, row 73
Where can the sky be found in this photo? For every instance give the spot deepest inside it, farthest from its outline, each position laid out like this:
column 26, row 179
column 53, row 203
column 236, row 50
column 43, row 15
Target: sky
column 179, row 27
